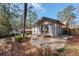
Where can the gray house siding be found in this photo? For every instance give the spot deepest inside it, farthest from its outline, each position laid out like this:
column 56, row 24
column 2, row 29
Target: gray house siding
column 53, row 27
column 50, row 30
column 54, row 30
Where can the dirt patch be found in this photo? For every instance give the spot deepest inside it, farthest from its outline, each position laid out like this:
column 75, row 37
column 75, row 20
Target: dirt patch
column 45, row 42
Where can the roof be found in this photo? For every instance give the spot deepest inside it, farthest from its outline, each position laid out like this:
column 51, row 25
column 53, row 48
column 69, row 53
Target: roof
column 47, row 19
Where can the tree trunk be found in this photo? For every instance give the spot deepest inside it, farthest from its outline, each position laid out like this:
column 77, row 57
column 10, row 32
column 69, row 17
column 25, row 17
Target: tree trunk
column 25, row 14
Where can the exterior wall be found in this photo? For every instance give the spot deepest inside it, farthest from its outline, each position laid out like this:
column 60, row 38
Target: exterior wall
column 54, row 30
column 58, row 30
column 50, row 30
column 36, row 30
column 33, row 30
column 39, row 30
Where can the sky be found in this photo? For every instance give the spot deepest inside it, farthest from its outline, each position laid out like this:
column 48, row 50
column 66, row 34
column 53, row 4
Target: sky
column 51, row 9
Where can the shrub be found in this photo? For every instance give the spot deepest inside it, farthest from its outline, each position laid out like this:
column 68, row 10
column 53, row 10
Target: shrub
column 19, row 38
column 28, row 33
column 60, row 50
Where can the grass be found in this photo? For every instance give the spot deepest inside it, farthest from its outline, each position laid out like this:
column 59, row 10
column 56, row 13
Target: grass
column 27, row 49
column 70, row 51
column 71, row 48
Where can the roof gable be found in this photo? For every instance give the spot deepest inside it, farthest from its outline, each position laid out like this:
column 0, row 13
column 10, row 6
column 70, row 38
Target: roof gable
column 47, row 19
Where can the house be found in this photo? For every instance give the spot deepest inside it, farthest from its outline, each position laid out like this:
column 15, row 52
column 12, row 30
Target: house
column 47, row 26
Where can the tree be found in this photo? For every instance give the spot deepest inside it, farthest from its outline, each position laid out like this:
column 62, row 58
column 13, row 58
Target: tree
column 25, row 15
column 8, row 12
column 16, row 14
column 67, row 15
column 5, row 25
column 31, row 16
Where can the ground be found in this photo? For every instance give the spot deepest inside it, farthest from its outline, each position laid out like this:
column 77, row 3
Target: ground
column 72, row 47
column 49, row 42
column 25, row 48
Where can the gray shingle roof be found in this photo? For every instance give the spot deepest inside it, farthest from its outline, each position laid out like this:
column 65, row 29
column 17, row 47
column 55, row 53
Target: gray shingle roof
column 47, row 19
